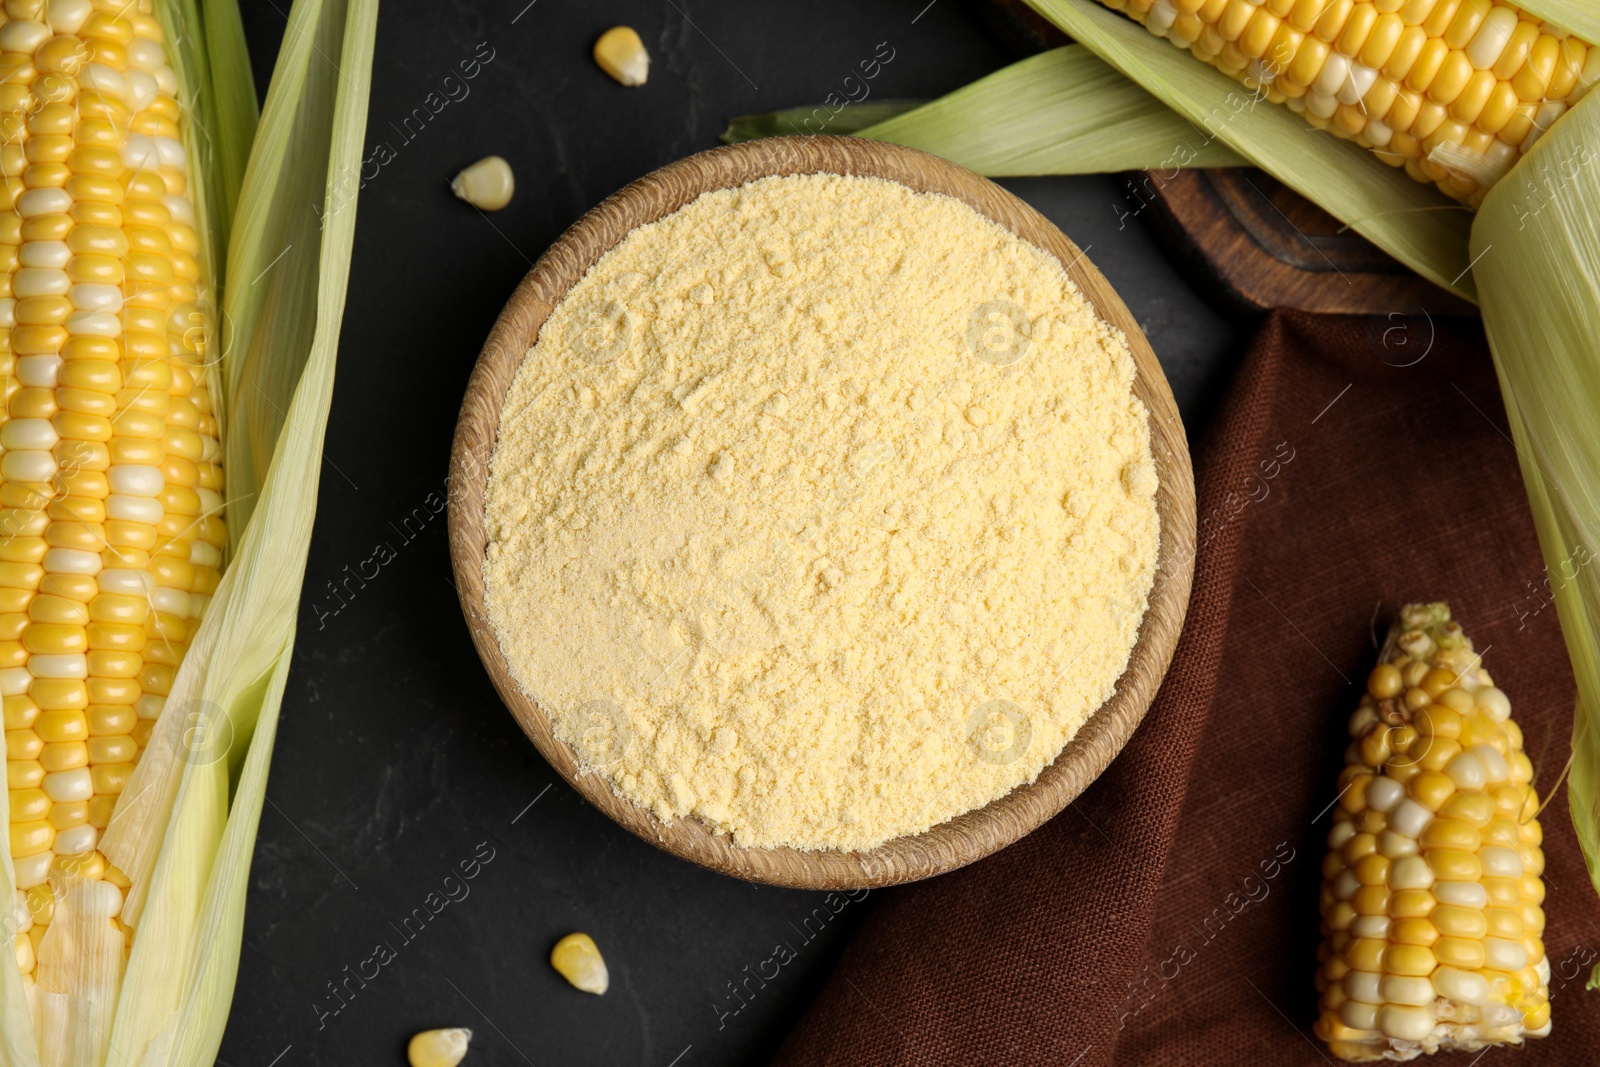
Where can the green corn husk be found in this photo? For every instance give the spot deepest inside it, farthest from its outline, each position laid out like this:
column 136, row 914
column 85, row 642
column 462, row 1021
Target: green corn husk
column 1061, row 112
column 1539, row 276
column 851, row 118
column 1581, row 18
column 213, row 68
column 281, row 196
column 1081, row 117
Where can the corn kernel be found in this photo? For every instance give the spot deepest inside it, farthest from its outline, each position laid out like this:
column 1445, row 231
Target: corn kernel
column 1445, row 833
column 438, row 1048
column 1431, row 789
column 1450, row 865
column 577, row 959
column 1453, row 921
column 1384, row 681
column 1358, row 845
column 1372, row 869
column 620, row 53
column 1365, row 954
column 1411, row 904
column 487, row 184
column 1409, row 960
column 1405, row 1023
column 1371, row 900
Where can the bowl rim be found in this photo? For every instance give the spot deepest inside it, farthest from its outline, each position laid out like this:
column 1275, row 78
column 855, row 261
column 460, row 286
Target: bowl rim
column 966, row 837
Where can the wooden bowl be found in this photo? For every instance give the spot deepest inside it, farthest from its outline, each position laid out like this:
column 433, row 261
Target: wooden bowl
column 967, row 837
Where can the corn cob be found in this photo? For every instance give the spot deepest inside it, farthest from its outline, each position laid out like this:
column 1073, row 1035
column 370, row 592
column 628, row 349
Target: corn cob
column 111, row 536
column 1455, row 91
column 1431, row 891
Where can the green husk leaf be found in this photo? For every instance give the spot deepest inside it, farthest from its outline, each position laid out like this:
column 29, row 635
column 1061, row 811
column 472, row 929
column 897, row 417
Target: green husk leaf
column 206, row 47
column 1538, row 268
column 1416, row 224
column 812, row 120
column 270, row 311
column 1581, row 18
column 1064, row 111
column 1060, row 112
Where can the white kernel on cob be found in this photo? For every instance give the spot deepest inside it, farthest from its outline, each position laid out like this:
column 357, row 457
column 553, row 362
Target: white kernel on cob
column 1455, row 91
column 110, row 467
column 1431, row 894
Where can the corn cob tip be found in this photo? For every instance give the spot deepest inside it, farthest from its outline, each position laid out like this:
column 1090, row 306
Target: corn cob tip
column 1431, row 917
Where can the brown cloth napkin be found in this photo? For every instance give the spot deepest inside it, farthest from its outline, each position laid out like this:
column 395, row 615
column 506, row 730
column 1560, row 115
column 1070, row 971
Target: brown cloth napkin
column 1169, row 916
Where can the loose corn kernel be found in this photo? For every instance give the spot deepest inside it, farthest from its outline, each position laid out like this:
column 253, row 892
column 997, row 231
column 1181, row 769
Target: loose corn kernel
column 621, row 54
column 577, row 959
column 487, row 184
column 438, row 1048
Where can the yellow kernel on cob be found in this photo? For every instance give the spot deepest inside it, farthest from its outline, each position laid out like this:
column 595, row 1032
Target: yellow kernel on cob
column 110, row 485
column 1431, row 910
column 1454, row 91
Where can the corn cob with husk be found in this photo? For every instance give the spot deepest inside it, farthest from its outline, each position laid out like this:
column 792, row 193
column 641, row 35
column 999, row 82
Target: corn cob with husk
column 138, row 723
column 1455, row 91
column 1431, row 891
column 111, row 475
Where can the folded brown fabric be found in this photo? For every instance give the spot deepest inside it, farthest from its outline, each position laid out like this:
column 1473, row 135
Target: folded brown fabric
column 1169, row 916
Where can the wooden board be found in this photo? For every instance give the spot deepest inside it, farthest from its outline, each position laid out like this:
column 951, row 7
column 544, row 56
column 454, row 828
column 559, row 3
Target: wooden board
column 1242, row 235
column 970, row 836
column 1267, row 246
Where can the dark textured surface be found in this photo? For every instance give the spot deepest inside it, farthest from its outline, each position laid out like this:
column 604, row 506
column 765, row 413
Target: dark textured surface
column 395, row 759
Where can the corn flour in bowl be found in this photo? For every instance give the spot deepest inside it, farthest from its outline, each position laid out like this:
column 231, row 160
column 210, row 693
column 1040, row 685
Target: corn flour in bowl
column 822, row 511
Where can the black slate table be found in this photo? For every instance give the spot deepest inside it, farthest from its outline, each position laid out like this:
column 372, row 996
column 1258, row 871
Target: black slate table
column 417, row 858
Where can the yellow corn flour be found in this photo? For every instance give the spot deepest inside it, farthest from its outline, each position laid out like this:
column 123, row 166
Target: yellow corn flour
column 822, row 511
